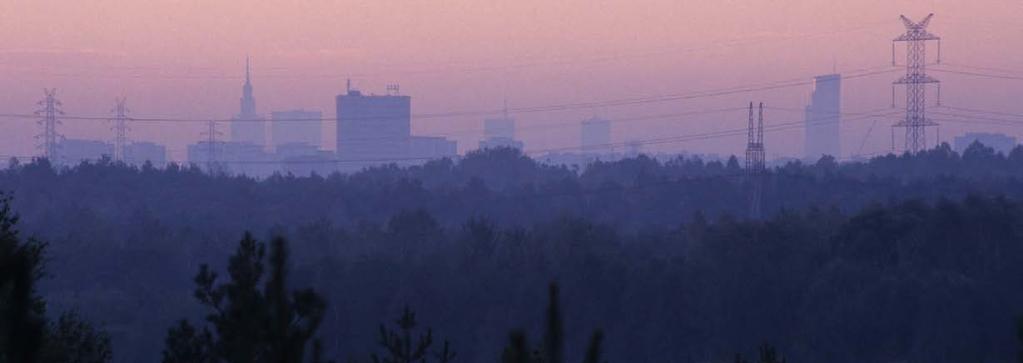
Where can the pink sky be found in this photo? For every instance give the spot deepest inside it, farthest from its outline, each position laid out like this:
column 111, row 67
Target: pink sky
column 185, row 59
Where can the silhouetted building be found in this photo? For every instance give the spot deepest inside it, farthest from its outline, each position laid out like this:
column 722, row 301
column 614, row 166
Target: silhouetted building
column 320, row 163
column 373, row 129
column 496, row 128
column 138, row 153
column 1000, row 142
column 823, row 118
column 295, row 149
column 499, row 132
column 248, row 126
column 497, row 142
column 296, row 126
column 74, row 151
column 423, row 148
column 239, row 158
column 595, row 136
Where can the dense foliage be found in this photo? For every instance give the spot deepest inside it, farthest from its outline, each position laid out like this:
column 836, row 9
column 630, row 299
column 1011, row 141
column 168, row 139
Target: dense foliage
column 26, row 333
column 900, row 258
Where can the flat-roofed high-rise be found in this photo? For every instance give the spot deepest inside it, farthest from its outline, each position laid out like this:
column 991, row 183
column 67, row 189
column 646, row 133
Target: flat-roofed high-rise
column 823, row 118
column 373, row 129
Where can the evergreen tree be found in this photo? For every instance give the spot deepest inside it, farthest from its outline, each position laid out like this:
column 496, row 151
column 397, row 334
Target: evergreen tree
column 517, row 350
column 552, row 349
column 21, row 308
column 25, row 334
column 1019, row 338
column 253, row 317
column 402, row 346
column 593, row 351
column 554, row 335
column 71, row 339
column 769, row 355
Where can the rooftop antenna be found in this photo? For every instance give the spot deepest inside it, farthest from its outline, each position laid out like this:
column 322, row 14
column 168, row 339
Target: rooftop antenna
column 393, row 89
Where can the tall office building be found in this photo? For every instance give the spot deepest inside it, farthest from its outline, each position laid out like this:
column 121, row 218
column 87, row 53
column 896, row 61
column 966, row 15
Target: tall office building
column 373, row 129
column 823, row 118
column 595, row 136
column 296, row 127
column 248, row 126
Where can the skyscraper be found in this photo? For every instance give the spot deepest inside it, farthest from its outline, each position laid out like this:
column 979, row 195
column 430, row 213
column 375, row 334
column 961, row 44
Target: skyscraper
column 823, row 118
column 248, row 126
column 373, row 129
column 595, row 135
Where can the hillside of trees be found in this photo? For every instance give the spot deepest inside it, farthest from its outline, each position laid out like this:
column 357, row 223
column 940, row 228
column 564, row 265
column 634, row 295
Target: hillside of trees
column 902, row 258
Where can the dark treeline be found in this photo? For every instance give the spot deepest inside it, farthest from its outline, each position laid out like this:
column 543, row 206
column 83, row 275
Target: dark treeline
column 502, row 184
column 901, row 258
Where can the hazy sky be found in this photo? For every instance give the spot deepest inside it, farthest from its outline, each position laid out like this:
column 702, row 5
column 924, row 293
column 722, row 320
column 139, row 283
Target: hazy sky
column 185, row 59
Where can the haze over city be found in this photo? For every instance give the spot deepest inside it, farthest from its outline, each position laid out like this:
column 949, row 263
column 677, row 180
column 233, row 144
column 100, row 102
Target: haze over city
column 461, row 181
column 186, row 59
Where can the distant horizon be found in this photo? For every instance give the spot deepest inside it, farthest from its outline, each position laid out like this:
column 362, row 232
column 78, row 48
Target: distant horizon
column 456, row 60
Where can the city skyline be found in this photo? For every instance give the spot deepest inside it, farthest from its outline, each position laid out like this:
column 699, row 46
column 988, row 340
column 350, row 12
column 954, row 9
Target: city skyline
column 200, row 85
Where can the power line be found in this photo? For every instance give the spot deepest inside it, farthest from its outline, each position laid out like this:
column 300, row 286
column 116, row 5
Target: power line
column 864, row 72
column 653, row 141
column 979, row 74
column 976, row 110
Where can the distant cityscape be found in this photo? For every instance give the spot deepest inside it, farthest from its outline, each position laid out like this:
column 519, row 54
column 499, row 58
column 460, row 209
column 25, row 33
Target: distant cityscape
column 376, row 129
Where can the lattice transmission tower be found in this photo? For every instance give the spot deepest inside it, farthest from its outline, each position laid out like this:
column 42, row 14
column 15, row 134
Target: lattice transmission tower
column 49, row 139
column 916, row 81
column 120, row 128
column 755, row 161
column 211, row 135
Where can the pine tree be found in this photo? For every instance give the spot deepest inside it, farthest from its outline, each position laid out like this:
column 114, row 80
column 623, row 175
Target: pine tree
column 554, row 336
column 25, row 334
column 593, row 351
column 552, row 349
column 254, row 318
column 399, row 345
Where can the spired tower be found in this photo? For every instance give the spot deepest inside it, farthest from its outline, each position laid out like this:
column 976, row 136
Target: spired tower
column 248, row 126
